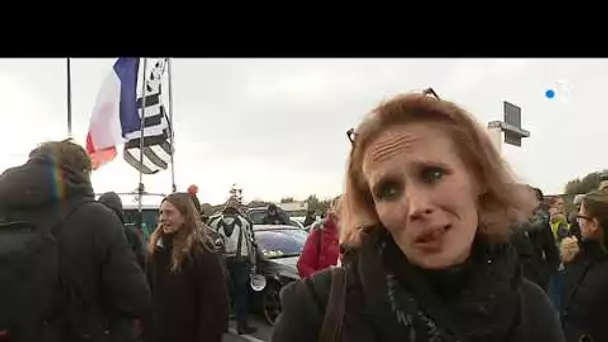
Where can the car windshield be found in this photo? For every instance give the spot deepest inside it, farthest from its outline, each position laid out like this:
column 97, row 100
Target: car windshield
column 281, row 243
column 150, row 218
column 257, row 216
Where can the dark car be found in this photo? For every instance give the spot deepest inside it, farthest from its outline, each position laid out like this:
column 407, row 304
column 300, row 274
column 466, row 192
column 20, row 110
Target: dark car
column 279, row 248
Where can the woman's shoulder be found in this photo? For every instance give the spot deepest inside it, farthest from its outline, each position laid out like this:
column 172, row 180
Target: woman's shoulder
column 314, row 290
column 303, row 306
column 205, row 254
column 535, row 297
column 539, row 317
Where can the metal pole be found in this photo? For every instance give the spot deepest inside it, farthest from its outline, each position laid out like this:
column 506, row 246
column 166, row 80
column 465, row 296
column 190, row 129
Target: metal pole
column 171, row 126
column 140, row 188
column 69, row 97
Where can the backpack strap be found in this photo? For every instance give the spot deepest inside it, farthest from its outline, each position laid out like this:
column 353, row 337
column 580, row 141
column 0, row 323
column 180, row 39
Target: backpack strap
column 239, row 243
column 331, row 328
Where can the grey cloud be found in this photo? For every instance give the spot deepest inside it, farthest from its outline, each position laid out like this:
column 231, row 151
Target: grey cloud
column 224, row 102
column 292, row 114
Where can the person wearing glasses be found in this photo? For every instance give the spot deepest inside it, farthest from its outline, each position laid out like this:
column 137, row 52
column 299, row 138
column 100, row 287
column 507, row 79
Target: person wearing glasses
column 575, row 230
column 586, row 275
column 429, row 207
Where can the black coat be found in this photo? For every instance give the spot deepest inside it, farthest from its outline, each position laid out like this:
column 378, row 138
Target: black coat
column 191, row 305
column 537, row 252
column 484, row 300
column 586, row 294
column 96, row 265
column 113, row 201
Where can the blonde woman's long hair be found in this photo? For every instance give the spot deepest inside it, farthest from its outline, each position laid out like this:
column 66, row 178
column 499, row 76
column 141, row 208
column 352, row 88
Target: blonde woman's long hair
column 190, row 239
column 335, row 206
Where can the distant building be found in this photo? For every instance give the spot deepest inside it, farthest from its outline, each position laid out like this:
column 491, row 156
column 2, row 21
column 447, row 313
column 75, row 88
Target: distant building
column 297, row 208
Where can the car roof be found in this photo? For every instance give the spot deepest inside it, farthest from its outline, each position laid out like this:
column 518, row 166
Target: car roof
column 263, row 227
column 150, row 201
column 265, row 208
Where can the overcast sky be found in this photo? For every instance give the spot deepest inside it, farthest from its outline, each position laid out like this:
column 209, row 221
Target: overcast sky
column 277, row 127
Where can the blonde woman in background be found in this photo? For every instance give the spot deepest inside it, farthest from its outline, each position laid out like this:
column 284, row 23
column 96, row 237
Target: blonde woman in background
column 189, row 292
column 322, row 247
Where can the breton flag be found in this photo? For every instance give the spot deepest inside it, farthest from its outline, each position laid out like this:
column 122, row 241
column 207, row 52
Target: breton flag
column 157, row 131
column 116, row 118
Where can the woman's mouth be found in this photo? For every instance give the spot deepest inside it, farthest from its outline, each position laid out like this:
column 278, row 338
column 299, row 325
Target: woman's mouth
column 431, row 241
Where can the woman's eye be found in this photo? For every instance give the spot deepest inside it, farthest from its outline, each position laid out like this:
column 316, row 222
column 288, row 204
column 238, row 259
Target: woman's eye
column 388, row 190
column 431, row 175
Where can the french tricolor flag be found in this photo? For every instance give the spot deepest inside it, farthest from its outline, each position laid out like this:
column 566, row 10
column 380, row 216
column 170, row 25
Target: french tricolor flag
column 115, row 113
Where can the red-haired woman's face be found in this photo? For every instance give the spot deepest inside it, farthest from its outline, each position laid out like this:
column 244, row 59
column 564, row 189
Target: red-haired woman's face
column 424, row 195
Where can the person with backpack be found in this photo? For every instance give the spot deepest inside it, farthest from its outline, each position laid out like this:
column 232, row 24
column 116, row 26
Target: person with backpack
column 240, row 255
column 322, row 247
column 67, row 271
column 429, row 206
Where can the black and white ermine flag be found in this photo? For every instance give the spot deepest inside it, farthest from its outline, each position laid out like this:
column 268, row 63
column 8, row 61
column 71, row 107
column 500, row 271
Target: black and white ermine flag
column 157, row 149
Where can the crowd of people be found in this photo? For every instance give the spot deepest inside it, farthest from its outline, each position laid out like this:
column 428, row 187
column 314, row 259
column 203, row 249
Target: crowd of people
column 432, row 240
column 73, row 271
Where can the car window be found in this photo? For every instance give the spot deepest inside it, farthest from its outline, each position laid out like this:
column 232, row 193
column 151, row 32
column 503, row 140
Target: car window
column 150, row 218
column 281, row 243
column 257, row 216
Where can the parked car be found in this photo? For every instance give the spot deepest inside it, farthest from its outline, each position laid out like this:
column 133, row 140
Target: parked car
column 150, row 205
column 279, row 247
column 257, row 216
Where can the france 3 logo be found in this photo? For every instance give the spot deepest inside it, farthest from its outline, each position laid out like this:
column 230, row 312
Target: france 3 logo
column 560, row 91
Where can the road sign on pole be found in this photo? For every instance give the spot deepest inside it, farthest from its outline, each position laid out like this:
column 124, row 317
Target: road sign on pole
column 511, row 126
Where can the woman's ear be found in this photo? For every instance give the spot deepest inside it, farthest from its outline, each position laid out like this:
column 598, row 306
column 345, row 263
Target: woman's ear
column 594, row 226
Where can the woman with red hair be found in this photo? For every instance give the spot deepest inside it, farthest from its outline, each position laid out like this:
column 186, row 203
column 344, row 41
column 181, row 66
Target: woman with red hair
column 429, row 207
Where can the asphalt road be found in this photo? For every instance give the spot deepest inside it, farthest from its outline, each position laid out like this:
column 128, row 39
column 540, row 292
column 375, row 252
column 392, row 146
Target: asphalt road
column 262, row 335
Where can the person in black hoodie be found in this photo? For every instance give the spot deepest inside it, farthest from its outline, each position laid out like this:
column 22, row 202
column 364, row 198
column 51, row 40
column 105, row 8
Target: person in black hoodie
column 101, row 281
column 586, row 276
column 429, row 206
column 275, row 216
column 111, row 200
column 189, row 293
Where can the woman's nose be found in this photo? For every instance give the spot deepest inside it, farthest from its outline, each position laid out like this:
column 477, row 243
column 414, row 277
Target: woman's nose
column 418, row 203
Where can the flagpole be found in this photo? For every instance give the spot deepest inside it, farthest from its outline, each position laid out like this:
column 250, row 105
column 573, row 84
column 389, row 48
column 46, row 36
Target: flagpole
column 69, row 97
column 140, row 188
column 171, row 126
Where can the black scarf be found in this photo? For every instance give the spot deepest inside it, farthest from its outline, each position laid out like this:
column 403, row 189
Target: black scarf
column 476, row 301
